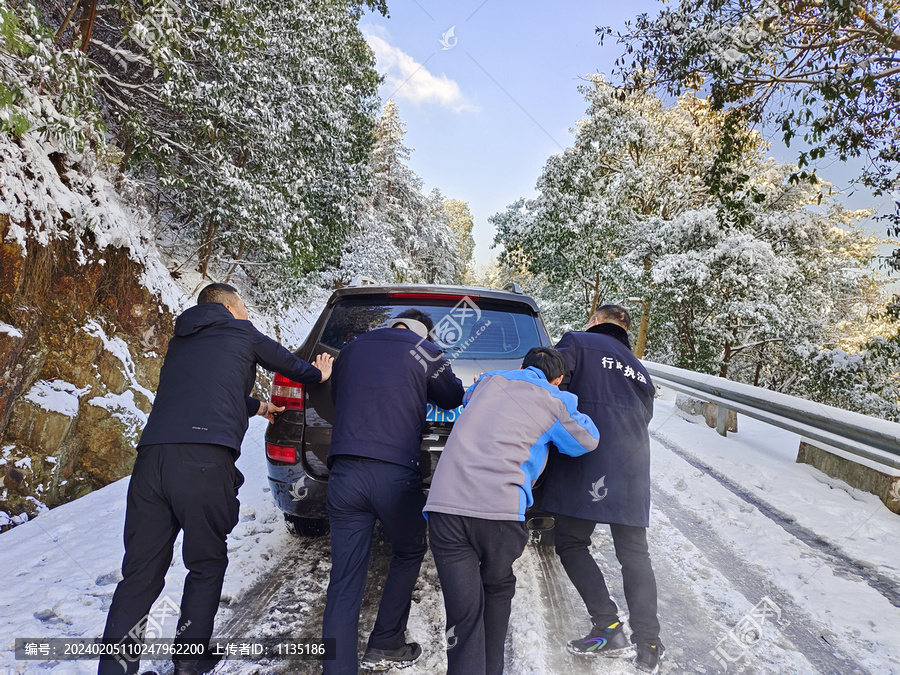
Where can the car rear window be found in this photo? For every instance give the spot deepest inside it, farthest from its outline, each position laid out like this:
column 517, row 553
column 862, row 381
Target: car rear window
column 463, row 328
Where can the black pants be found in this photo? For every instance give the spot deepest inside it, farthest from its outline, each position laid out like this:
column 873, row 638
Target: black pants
column 573, row 537
column 361, row 491
column 184, row 486
column 474, row 560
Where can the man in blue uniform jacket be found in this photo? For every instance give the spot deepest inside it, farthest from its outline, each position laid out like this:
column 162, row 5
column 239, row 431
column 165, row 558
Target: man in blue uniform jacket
column 381, row 387
column 185, row 478
column 610, row 486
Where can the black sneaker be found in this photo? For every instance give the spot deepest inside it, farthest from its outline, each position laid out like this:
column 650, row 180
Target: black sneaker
column 609, row 641
column 648, row 657
column 382, row 659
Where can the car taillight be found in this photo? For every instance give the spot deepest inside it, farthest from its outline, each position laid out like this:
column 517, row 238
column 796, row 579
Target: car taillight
column 287, row 393
column 281, row 453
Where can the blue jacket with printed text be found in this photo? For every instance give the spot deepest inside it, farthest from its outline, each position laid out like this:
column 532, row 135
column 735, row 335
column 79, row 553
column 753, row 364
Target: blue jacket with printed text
column 611, row 485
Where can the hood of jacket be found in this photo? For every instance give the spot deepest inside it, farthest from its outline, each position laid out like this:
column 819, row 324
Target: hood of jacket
column 198, row 317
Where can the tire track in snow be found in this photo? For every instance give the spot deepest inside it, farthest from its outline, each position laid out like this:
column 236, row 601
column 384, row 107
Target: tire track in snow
column 566, row 618
column 840, row 563
column 749, row 580
column 289, row 603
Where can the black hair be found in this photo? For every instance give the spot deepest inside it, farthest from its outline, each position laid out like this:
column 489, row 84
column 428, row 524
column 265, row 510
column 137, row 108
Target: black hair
column 547, row 360
column 418, row 315
column 614, row 314
column 220, row 293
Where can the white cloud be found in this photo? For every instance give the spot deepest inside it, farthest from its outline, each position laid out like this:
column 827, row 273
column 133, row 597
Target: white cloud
column 405, row 78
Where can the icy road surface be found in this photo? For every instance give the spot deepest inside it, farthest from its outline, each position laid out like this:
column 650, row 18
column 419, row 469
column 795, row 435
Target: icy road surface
column 763, row 566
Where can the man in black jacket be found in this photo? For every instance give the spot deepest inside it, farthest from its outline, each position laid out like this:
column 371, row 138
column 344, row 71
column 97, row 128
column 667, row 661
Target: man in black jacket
column 185, row 477
column 380, row 387
column 610, row 486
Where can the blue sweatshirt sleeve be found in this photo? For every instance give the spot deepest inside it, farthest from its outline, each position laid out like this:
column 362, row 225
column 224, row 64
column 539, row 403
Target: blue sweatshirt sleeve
column 273, row 357
column 575, row 434
column 471, row 390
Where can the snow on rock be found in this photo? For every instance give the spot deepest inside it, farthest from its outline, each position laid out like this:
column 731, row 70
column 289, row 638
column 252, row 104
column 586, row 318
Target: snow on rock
column 123, row 407
column 10, row 330
column 118, row 348
column 83, row 201
column 56, row 396
column 62, row 567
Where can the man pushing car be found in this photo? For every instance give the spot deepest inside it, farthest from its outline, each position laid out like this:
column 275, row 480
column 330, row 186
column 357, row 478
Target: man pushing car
column 479, row 493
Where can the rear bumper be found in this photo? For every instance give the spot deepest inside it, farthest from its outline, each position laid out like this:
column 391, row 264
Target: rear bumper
column 295, row 492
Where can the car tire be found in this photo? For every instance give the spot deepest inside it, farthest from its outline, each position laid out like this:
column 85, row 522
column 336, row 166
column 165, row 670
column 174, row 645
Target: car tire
column 306, row 527
column 544, row 537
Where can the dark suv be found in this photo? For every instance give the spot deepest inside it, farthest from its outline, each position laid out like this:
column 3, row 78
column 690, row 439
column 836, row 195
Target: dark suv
column 478, row 329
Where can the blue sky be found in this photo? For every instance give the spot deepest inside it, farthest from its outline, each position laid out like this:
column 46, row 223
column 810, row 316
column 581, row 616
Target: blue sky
column 487, row 103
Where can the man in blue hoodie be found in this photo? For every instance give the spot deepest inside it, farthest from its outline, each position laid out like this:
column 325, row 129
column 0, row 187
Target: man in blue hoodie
column 479, row 493
column 381, row 387
column 185, row 477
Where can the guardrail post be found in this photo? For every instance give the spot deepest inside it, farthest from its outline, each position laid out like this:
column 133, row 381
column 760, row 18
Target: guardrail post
column 722, row 420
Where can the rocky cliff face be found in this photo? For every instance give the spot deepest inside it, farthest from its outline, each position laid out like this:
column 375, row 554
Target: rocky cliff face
column 81, row 345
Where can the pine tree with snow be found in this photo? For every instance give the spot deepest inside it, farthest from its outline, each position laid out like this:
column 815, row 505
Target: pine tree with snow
column 461, row 224
column 737, row 285
column 403, row 235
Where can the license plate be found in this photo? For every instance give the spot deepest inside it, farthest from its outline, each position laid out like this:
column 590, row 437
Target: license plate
column 435, row 414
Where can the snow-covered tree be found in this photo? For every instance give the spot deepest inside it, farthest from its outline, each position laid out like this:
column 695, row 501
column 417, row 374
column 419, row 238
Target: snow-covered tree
column 403, row 235
column 737, row 285
column 632, row 159
column 461, row 223
column 248, row 124
column 827, row 71
column 735, row 296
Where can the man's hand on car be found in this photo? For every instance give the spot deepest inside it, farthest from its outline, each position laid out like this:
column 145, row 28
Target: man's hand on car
column 324, row 362
column 271, row 411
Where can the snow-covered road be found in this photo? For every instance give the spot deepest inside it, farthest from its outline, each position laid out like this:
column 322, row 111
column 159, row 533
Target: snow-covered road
column 763, row 566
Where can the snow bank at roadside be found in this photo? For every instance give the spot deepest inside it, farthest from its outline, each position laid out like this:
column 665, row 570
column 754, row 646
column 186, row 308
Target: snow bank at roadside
column 62, row 567
column 761, row 461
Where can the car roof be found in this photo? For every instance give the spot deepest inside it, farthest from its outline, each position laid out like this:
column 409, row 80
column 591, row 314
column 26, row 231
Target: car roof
column 473, row 292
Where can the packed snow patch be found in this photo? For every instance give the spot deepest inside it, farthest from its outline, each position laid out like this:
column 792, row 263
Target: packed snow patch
column 119, row 349
column 12, row 331
column 56, row 396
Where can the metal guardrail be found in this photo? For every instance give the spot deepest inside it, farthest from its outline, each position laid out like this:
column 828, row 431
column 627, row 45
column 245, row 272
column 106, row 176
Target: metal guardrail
column 875, row 439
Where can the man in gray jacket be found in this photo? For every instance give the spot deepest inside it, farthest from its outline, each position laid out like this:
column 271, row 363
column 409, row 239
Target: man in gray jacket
column 479, row 493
